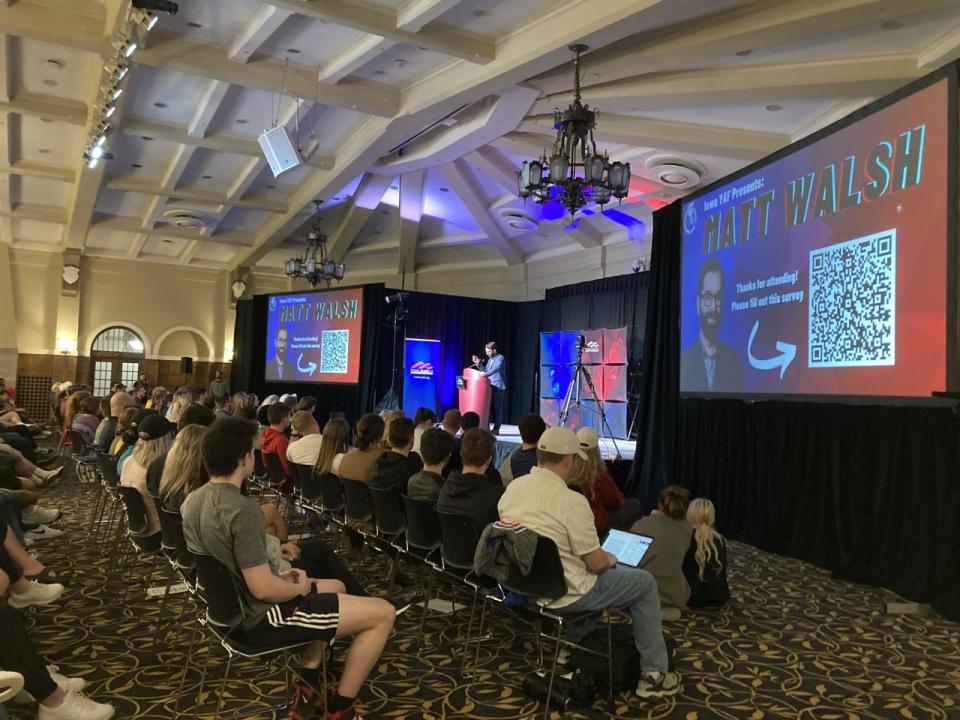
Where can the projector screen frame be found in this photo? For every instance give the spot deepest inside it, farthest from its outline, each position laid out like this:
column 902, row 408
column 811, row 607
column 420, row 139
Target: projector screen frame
column 949, row 73
column 363, row 311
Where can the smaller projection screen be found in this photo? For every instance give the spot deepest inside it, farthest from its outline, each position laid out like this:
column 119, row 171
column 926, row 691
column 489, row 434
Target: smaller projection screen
column 825, row 271
column 314, row 337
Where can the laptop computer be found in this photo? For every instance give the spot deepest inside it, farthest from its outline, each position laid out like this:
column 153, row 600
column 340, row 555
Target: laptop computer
column 629, row 548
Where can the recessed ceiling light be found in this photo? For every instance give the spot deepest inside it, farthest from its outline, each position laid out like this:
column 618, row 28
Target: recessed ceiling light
column 43, row 151
column 194, row 25
column 54, row 63
column 743, row 53
column 206, row 177
column 518, row 225
column 136, row 165
column 377, row 232
column 420, row 48
column 481, row 13
column 46, row 120
column 146, row 137
column 400, row 62
column 159, row 105
column 271, row 187
column 50, row 83
column 394, row 187
column 443, row 189
column 167, row 241
column 384, row 212
column 293, row 51
column 891, row 25
column 242, row 121
column 774, row 108
column 379, row 72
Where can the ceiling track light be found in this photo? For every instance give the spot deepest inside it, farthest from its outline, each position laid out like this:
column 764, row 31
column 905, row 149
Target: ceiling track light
column 145, row 19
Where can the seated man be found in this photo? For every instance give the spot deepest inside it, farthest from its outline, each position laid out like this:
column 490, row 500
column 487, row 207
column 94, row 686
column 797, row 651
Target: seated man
column 397, row 465
column 223, row 405
column 306, row 448
column 469, row 493
column 219, row 521
column 451, row 426
column 531, row 428
column 468, row 421
column 435, row 449
column 542, row 502
column 274, row 440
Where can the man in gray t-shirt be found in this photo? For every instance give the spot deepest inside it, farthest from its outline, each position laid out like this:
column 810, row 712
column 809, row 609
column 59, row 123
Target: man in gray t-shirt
column 290, row 607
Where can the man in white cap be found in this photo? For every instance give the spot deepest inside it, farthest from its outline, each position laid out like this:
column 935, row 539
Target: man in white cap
column 542, row 502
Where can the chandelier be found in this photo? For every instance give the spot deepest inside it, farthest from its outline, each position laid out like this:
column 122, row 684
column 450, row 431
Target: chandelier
column 314, row 266
column 575, row 173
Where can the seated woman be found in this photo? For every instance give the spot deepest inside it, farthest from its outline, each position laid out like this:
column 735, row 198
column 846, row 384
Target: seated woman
column 705, row 564
column 358, row 464
column 333, row 447
column 671, row 534
column 610, row 507
column 86, row 421
column 423, row 420
column 154, row 441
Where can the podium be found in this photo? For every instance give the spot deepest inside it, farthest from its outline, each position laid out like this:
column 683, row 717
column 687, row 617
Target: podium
column 475, row 395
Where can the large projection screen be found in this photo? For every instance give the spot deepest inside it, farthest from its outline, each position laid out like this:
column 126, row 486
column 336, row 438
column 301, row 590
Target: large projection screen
column 825, row 270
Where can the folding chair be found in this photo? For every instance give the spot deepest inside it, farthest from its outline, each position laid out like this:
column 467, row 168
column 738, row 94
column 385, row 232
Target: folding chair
column 84, row 457
column 275, row 478
column 220, row 589
column 174, row 547
column 423, row 541
column 139, row 542
column 390, row 526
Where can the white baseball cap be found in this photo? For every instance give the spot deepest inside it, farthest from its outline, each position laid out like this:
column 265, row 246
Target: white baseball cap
column 560, row 441
column 588, row 438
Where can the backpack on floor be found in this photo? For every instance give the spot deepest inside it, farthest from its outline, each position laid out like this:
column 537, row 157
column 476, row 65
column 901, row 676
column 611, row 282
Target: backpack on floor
column 626, row 659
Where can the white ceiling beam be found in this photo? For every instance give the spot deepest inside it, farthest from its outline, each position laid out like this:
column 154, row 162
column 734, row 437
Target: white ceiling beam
column 220, row 142
column 762, row 84
column 136, row 245
column 351, row 59
column 944, row 49
column 38, row 20
column 133, row 225
column 497, row 167
column 174, row 52
column 377, row 20
column 411, row 210
column 414, row 14
column 365, row 201
column 190, row 249
column 211, row 197
column 210, row 101
column 465, row 184
column 838, row 111
column 43, row 106
column 25, row 168
column 40, row 213
column 675, row 136
column 264, row 23
column 748, row 27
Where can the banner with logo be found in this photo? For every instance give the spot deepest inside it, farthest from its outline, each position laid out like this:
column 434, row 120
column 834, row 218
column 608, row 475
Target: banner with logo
column 421, row 375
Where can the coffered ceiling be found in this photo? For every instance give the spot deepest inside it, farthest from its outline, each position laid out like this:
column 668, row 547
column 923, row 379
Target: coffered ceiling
column 412, row 117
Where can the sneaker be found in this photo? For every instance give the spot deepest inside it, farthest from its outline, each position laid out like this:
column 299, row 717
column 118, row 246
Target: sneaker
column 563, row 657
column 657, row 684
column 47, row 475
column 670, row 613
column 77, row 706
column 36, row 594
column 41, row 515
column 69, row 684
column 42, row 532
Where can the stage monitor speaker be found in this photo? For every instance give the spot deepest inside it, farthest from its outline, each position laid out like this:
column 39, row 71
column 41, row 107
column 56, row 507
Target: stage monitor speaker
column 186, row 365
column 279, row 151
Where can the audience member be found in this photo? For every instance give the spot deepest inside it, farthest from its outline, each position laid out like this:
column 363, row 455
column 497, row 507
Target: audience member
column 436, row 445
column 308, row 403
column 105, row 426
column 223, row 406
column 542, row 502
column 274, row 439
column 451, row 425
column 208, row 401
column 219, row 387
column 468, row 421
column 705, row 564
column 131, row 436
column 359, row 463
column 468, row 492
column 121, row 434
column 139, row 393
column 119, row 401
column 396, row 466
column 154, row 441
column 182, row 399
column 333, row 446
column 610, row 507
column 304, row 450
column 423, row 420
column 671, row 532
column 218, row 520
column 531, row 428
column 182, row 471
column 264, row 408
column 193, row 415
column 290, row 400
column 159, row 400
column 86, row 422
column 388, row 417
column 8, row 410
column 72, row 408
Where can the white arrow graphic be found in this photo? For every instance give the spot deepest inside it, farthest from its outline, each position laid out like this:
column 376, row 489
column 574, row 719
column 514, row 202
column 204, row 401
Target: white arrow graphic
column 308, row 369
column 787, row 353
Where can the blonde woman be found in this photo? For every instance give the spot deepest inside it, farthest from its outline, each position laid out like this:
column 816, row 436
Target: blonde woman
column 333, row 447
column 705, row 564
column 154, row 442
column 182, row 399
column 611, row 509
column 183, row 471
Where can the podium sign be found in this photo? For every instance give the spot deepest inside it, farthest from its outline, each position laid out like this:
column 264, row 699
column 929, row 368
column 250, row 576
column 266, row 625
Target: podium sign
column 421, row 375
column 475, row 395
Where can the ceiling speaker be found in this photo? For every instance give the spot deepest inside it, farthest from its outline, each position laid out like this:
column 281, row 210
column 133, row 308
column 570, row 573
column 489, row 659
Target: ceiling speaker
column 279, row 151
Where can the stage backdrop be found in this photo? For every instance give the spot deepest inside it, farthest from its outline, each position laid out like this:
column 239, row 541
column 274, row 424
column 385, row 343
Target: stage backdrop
column 422, row 378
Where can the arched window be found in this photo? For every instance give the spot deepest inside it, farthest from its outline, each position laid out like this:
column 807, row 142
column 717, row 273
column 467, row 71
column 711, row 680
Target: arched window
column 115, row 356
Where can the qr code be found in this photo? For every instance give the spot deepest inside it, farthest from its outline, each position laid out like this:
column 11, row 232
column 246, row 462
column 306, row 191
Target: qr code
column 334, row 351
column 852, row 302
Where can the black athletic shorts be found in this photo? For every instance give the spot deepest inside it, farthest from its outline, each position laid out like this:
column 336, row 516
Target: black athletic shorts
column 315, row 616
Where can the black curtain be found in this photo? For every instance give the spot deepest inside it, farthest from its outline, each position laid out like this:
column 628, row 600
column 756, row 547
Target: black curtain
column 250, row 342
column 465, row 325
column 655, row 459
column 868, row 492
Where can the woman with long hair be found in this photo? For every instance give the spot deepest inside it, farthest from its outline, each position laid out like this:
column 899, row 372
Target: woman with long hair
column 671, row 534
column 611, row 509
column 183, row 471
column 423, row 420
column 74, row 403
column 333, row 447
column 154, row 440
column 182, row 399
column 159, row 398
column 705, row 564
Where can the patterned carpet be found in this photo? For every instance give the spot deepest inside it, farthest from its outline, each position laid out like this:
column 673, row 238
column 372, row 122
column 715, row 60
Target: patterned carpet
column 794, row 643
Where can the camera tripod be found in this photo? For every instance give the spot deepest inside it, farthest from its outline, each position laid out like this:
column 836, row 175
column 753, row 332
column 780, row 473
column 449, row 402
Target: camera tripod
column 572, row 397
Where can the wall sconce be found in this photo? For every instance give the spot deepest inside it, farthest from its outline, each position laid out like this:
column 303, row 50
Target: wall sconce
column 228, row 352
column 239, row 288
column 66, row 345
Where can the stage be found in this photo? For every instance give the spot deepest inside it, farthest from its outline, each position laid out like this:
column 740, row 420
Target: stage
column 509, row 439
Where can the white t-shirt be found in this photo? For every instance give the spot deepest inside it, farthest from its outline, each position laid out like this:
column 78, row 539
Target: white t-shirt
column 305, row 450
column 542, row 502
